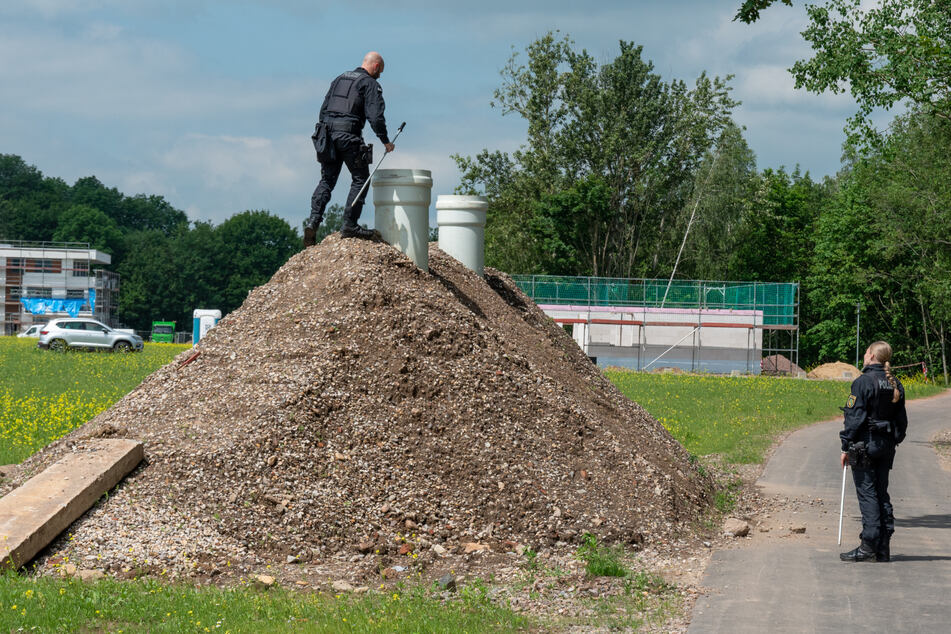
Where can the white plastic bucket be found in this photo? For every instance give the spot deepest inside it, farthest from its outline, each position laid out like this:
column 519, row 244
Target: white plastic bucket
column 401, row 200
column 461, row 221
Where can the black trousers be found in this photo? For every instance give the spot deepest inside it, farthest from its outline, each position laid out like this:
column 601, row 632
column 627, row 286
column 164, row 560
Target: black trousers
column 871, row 488
column 348, row 148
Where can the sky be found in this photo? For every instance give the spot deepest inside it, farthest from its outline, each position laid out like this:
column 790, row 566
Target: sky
column 211, row 104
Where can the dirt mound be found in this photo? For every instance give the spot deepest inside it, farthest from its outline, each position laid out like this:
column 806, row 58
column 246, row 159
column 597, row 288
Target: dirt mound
column 837, row 370
column 777, row 364
column 354, row 405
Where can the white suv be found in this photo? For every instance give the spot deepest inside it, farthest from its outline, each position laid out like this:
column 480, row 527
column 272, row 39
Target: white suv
column 61, row 334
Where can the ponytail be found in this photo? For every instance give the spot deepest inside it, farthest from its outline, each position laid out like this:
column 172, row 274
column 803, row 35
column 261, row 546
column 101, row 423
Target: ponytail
column 892, row 381
column 883, row 354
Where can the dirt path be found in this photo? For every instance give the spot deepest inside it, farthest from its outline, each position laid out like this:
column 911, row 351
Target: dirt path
column 780, row 581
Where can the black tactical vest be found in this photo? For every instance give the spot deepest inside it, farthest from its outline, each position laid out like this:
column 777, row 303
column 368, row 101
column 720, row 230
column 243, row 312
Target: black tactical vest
column 345, row 95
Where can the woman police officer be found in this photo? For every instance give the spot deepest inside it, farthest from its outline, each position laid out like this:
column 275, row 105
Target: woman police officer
column 875, row 423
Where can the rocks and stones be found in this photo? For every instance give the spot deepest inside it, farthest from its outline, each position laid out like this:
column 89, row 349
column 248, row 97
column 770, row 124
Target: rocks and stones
column 797, row 528
column 341, row 586
column 447, row 582
column 385, row 394
column 264, row 581
column 90, row 575
column 736, row 527
column 780, row 365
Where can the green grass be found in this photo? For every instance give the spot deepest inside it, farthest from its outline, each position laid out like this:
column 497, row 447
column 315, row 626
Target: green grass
column 45, row 395
column 738, row 417
column 600, row 560
column 51, row 605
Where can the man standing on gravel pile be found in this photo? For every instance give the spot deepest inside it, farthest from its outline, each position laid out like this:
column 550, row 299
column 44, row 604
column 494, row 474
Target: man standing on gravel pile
column 354, row 98
column 875, row 423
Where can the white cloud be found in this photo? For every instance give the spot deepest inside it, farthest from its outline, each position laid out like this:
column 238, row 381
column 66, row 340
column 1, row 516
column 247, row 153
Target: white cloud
column 106, row 74
column 230, row 162
column 772, row 85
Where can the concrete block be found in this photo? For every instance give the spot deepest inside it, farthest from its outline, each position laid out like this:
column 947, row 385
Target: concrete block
column 32, row 515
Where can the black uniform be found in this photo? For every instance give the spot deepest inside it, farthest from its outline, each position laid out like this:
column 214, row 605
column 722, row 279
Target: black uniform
column 871, row 417
column 353, row 99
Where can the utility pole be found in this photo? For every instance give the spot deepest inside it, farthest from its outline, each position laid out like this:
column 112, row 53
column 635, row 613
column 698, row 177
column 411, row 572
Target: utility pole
column 858, row 311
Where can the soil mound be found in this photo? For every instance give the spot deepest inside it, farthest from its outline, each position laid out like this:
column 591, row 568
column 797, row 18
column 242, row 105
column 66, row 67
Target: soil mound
column 355, row 404
column 837, row 370
column 777, row 364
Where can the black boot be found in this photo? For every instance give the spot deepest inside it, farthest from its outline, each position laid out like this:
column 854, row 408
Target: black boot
column 863, row 553
column 356, row 231
column 310, row 230
column 884, row 551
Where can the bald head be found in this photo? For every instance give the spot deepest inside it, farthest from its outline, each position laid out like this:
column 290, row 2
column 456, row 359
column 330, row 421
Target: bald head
column 373, row 64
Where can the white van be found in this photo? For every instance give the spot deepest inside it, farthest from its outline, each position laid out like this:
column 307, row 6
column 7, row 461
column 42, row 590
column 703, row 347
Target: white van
column 33, row 331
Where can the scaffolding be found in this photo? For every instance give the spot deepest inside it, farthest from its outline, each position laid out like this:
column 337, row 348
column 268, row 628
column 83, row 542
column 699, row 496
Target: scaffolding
column 65, row 275
column 654, row 316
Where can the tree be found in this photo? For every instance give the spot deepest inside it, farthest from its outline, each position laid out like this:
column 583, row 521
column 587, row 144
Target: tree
column 724, row 193
column 615, row 128
column 896, row 52
column 252, row 246
column 81, row 223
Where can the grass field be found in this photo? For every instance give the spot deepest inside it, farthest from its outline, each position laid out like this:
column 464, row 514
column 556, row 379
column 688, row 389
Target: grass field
column 45, row 395
column 52, row 605
column 738, row 417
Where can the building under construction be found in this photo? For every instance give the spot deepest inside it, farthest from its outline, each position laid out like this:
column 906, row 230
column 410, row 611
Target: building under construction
column 699, row 326
column 40, row 281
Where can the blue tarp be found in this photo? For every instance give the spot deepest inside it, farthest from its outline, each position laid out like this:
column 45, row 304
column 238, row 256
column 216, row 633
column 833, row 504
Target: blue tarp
column 44, row 305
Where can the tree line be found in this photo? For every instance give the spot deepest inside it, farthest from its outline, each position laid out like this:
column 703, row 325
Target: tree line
column 168, row 265
column 617, row 162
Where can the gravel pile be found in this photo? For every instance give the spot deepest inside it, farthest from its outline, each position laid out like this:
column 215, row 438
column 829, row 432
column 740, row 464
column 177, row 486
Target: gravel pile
column 780, row 365
column 357, row 409
column 836, row 370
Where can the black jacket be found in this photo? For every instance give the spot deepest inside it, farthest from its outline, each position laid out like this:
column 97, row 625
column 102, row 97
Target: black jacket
column 871, row 397
column 353, row 99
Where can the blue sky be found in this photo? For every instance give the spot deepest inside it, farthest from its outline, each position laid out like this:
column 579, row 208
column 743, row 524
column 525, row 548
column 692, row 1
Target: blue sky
column 211, row 104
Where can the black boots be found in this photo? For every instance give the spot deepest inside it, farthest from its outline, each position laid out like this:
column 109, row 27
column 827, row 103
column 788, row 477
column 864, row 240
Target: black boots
column 863, row 553
column 310, row 231
column 356, row 231
column 884, row 552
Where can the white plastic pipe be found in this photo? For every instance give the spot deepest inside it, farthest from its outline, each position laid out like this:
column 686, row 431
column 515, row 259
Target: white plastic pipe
column 401, row 200
column 461, row 222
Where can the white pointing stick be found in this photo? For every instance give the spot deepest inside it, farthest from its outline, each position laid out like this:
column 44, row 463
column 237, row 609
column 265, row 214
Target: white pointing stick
column 842, row 502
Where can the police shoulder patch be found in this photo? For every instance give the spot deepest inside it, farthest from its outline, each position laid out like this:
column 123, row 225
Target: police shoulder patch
column 851, row 401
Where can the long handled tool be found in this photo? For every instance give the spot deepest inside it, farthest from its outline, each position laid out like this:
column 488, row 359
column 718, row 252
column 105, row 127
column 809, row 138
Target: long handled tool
column 842, row 502
column 399, row 131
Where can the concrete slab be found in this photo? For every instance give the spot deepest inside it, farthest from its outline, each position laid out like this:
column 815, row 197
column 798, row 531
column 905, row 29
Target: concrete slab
column 32, row 515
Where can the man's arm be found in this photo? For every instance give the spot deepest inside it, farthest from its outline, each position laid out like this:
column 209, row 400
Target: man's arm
column 373, row 106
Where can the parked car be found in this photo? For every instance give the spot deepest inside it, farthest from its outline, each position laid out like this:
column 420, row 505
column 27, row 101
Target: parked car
column 61, row 334
column 33, row 331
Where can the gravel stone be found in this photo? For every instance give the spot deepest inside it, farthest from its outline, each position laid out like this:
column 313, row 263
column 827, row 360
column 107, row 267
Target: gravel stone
column 355, row 401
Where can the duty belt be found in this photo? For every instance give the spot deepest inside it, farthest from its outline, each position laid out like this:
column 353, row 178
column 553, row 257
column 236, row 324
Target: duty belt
column 344, row 125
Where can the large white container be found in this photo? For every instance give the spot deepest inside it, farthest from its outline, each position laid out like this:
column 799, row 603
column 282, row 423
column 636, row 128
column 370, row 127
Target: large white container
column 401, row 200
column 461, row 221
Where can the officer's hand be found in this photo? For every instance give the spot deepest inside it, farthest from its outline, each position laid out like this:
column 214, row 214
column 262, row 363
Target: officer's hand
column 844, row 459
column 389, row 147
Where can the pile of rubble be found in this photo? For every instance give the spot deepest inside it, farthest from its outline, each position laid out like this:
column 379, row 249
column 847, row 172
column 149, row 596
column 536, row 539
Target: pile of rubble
column 355, row 408
column 836, row 370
